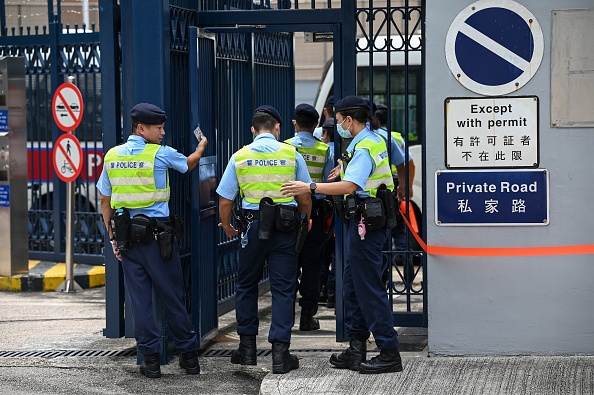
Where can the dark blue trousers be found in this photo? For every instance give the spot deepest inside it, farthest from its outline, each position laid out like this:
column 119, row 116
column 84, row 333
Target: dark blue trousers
column 328, row 274
column 144, row 269
column 279, row 253
column 366, row 303
column 310, row 265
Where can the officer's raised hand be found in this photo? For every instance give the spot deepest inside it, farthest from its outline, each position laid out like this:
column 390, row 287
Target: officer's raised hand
column 195, row 156
column 203, row 143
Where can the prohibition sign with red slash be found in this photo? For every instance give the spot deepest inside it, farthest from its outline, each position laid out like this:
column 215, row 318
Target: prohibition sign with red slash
column 67, row 157
column 67, row 107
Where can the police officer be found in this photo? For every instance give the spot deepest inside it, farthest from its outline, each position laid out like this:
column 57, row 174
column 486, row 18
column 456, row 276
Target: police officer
column 381, row 113
column 319, row 161
column 398, row 232
column 367, row 308
column 327, row 113
column 328, row 274
column 135, row 182
column 257, row 172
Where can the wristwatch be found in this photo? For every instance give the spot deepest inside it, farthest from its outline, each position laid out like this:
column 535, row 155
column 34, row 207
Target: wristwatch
column 312, row 187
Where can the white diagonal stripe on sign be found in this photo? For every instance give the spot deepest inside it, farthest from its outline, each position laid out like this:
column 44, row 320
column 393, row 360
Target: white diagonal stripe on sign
column 494, row 47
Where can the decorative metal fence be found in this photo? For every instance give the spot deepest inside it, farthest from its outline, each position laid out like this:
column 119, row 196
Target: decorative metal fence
column 52, row 53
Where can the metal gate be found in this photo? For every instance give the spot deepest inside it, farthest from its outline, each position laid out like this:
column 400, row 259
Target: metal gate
column 253, row 65
column 405, row 284
column 396, row 33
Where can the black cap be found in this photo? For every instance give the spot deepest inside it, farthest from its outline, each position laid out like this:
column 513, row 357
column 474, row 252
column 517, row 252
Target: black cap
column 329, row 101
column 328, row 123
column 306, row 110
column 270, row 110
column 382, row 107
column 373, row 106
column 148, row 114
column 350, row 103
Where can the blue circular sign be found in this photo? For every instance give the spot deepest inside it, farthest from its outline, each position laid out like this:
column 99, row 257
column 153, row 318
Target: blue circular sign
column 494, row 47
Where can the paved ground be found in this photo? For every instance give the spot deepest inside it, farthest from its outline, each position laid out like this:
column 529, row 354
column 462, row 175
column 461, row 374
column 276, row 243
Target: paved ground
column 84, row 362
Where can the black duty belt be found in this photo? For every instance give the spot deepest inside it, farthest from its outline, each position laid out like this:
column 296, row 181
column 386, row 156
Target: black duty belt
column 256, row 212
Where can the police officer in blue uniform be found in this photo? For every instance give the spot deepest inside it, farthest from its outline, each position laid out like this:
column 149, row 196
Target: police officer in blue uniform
column 399, row 232
column 327, row 113
column 268, row 234
column 367, row 307
column 328, row 274
column 135, row 182
column 320, row 161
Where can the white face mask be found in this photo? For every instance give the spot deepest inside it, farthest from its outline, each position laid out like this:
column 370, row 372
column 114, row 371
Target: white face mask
column 345, row 134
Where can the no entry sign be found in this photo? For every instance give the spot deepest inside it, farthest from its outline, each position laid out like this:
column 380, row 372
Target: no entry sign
column 67, row 107
column 67, row 157
column 494, row 47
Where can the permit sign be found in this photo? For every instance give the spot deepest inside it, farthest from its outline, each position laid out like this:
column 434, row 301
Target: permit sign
column 494, row 47
column 497, row 132
column 490, row 197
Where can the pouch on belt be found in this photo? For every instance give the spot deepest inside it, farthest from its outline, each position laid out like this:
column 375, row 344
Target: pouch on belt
column 390, row 201
column 285, row 220
column 120, row 227
column 374, row 214
column 141, row 229
column 266, row 217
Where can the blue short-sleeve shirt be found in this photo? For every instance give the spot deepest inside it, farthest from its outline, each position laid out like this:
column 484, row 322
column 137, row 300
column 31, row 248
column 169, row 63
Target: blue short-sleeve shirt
column 307, row 140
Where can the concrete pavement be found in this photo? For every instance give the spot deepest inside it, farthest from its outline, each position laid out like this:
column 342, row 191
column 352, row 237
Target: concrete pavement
column 52, row 343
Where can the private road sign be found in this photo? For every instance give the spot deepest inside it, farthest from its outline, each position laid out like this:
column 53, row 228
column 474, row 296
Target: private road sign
column 491, row 197
column 494, row 47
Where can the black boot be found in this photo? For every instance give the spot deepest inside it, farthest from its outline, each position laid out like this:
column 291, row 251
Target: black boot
column 331, row 303
column 282, row 360
column 308, row 322
column 387, row 361
column 150, row 366
column 246, row 353
column 189, row 361
column 352, row 356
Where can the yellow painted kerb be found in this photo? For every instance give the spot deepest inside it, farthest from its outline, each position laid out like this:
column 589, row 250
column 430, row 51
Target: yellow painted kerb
column 96, row 276
column 12, row 283
column 53, row 277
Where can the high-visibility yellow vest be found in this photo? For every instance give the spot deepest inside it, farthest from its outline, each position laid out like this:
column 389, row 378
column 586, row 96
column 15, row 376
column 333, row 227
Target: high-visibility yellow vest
column 382, row 173
column 132, row 178
column 315, row 158
column 398, row 137
column 261, row 174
